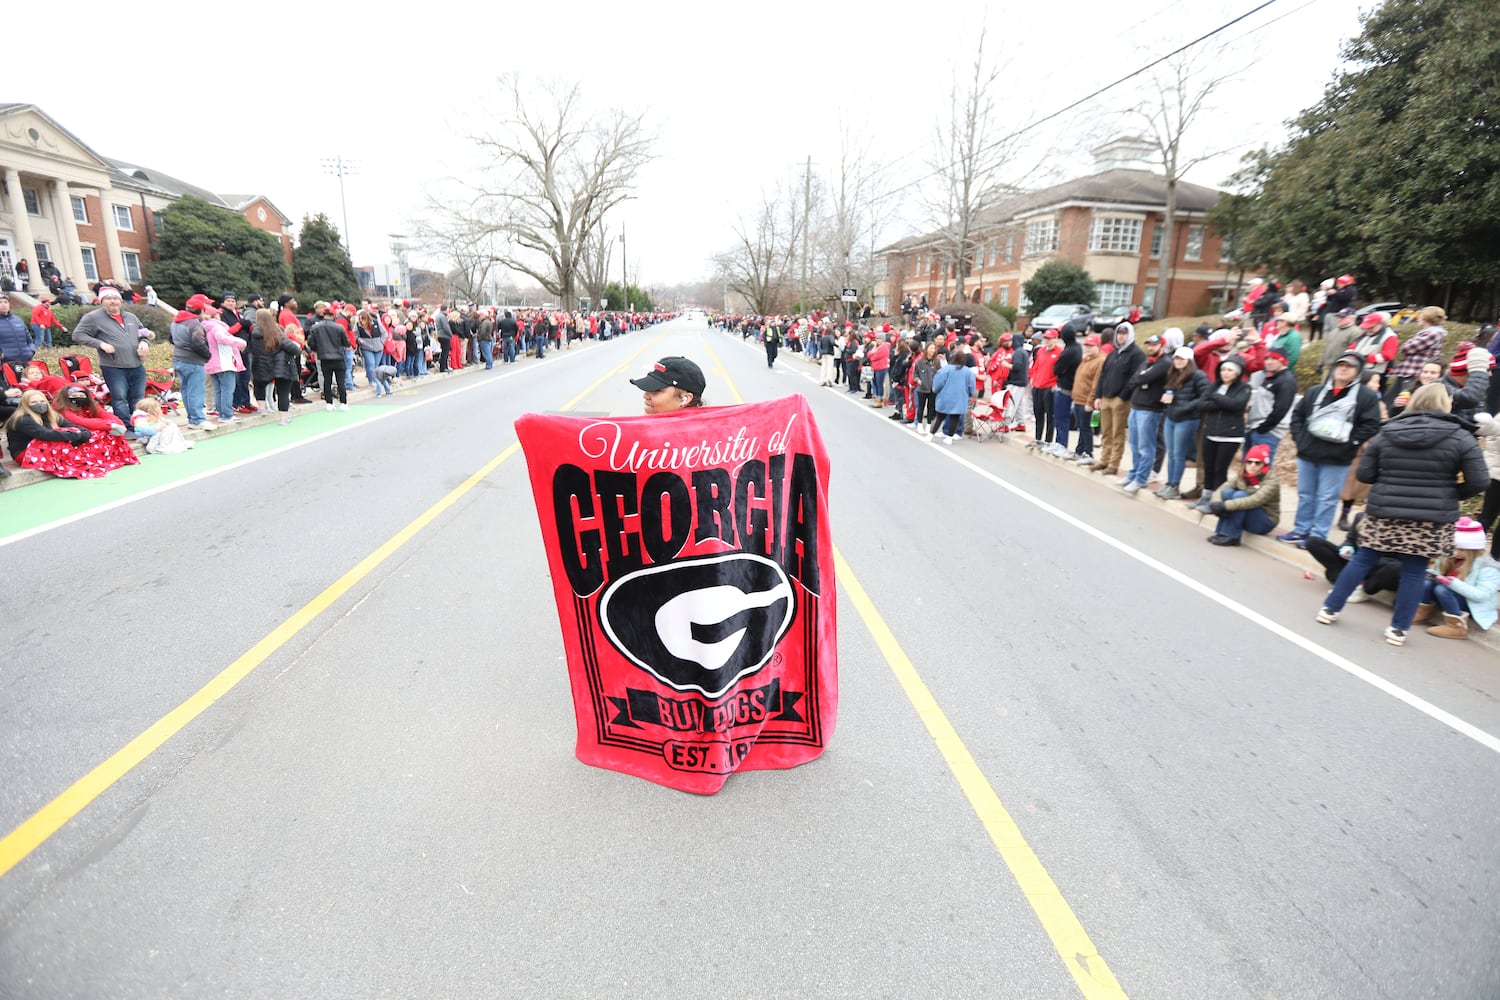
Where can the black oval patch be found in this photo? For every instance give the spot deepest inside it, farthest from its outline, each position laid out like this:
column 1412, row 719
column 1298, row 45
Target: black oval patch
column 700, row 624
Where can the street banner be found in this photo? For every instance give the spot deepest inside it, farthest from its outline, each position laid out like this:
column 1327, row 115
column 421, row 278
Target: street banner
column 692, row 564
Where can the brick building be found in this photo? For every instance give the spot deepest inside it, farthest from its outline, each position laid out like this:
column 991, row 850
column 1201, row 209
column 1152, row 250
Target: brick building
column 1111, row 222
column 91, row 215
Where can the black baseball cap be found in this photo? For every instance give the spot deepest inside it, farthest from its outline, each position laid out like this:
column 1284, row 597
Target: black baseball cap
column 675, row 371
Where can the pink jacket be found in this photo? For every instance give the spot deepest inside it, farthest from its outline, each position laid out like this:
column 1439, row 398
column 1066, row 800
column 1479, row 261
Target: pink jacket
column 225, row 347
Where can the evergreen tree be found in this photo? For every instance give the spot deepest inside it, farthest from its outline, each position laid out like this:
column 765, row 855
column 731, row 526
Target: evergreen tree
column 204, row 248
column 1395, row 174
column 321, row 265
column 1058, row 281
column 639, row 300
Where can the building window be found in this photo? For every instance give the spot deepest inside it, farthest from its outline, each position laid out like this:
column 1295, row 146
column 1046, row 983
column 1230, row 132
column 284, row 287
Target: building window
column 80, row 209
column 132, row 262
column 1156, row 232
column 90, row 267
column 1010, row 247
column 156, row 221
column 43, row 252
column 1114, row 235
column 1041, row 237
column 122, row 218
column 1005, row 295
column 1226, row 249
column 1148, row 298
column 1194, row 248
column 33, row 203
column 1111, row 294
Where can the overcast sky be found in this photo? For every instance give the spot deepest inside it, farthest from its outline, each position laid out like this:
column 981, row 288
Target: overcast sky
column 251, row 98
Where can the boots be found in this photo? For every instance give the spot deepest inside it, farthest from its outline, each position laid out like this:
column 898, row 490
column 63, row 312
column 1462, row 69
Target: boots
column 1453, row 627
column 1424, row 614
column 1344, row 515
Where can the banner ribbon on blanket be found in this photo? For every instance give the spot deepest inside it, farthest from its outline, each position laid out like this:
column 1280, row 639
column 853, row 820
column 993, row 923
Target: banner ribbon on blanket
column 692, row 565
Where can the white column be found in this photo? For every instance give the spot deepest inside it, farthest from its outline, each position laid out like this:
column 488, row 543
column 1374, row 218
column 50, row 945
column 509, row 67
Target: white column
column 71, row 264
column 24, row 236
column 111, row 239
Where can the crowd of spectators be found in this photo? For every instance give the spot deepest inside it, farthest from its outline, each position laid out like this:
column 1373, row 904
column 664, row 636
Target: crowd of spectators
column 1392, row 433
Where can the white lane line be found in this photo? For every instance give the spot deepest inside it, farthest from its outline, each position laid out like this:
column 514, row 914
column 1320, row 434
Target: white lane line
column 207, row 473
column 1473, row 732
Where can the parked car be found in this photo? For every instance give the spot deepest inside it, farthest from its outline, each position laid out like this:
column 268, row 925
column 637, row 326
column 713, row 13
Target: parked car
column 1120, row 314
column 1396, row 311
column 1057, row 315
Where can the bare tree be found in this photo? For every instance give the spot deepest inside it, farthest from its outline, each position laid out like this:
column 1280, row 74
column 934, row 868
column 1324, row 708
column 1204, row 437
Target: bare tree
column 554, row 171
column 595, row 256
column 759, row 265
column 844, row 228
column 1177, row 97
column 969, row 167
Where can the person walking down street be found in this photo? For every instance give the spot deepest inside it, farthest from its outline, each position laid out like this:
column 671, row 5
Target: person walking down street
column 225, row 360
column 1251, row 501
column 827, row 357
column 1462, row 587
column 1147, row 411
column 1112, row 400
column 122, row 343
column 327, row 341
column 1328, row 426
column 771, row 339
column 1420, row 466
column 955, row 386
column 15, row 339
column 1186, row 385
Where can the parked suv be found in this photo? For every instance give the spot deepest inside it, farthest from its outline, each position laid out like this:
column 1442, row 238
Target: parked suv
column 1056, row 315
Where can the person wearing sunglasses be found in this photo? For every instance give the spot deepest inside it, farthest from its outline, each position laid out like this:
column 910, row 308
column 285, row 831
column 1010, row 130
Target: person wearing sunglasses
column 1249, row 501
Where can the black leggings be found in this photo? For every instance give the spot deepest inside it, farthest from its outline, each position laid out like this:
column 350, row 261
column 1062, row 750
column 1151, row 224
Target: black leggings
column 926, row 406
column 333, row 375
column 1216, row 458
column 284, row 393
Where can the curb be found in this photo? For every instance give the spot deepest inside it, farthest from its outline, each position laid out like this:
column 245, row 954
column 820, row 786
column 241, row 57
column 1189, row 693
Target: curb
column 1266, row 545
column 20, row 478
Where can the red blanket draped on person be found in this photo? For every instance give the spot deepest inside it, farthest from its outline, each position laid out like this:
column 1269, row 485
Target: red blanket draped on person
column 692, row 564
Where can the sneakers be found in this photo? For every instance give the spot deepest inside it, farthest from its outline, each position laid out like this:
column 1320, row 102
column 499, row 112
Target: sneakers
column 284, row 421
column 1223, row 540
column 207, row 425
column 1358, row 595
column 344, row 407
column 948, row 440
column 1292, row 537
column 1080, row 459
column 1169, row 492
column 328, row 407
column 1034, row 443
column 1326, row 617
column 1395, row 636
column 1133, row 487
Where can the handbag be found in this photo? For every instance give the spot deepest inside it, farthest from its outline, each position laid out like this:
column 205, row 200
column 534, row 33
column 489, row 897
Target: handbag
column 1335, row 422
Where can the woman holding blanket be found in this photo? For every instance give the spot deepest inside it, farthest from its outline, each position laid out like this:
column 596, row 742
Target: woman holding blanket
column 672, row 384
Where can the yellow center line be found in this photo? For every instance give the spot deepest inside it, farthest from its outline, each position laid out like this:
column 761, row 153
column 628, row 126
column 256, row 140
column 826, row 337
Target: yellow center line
column 1079, row 956
column 35, row 831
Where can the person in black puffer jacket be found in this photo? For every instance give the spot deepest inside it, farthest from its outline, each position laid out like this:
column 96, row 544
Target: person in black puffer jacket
column 1223, row 411
column 1065, row 368
column 1413, row 467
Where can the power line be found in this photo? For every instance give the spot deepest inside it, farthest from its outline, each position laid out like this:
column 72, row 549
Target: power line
column 1085, row 99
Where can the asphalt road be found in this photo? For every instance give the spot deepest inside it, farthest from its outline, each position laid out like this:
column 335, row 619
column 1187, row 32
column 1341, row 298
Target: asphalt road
column 387, row 805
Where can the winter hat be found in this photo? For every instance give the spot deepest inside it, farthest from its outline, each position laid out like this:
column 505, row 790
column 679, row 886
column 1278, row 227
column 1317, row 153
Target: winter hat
column 1259, row 453
column 1236, row 360
column 1468, row 534
column 1277, row 355
column 1183, row 352
column 1459, row 364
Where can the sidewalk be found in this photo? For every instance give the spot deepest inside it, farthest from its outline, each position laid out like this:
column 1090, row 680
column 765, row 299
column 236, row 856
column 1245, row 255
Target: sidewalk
column 1264, row 544
column 20, row 477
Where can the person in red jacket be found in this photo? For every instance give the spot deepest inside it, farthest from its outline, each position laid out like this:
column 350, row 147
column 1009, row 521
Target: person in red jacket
column 878, row 354
column 1043, row 382
column 43, row 320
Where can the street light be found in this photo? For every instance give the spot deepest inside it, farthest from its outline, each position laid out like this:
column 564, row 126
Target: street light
column 399, row 248
column 343, row 168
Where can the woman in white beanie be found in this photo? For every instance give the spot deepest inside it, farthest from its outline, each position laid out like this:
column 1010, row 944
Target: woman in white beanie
column 1464, row 585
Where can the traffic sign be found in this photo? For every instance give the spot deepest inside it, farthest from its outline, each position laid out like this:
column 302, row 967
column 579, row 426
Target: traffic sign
column 850, row 295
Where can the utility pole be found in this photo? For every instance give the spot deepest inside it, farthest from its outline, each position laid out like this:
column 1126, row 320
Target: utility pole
column 806, row 225
column 338, row 165
column 624, row 282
